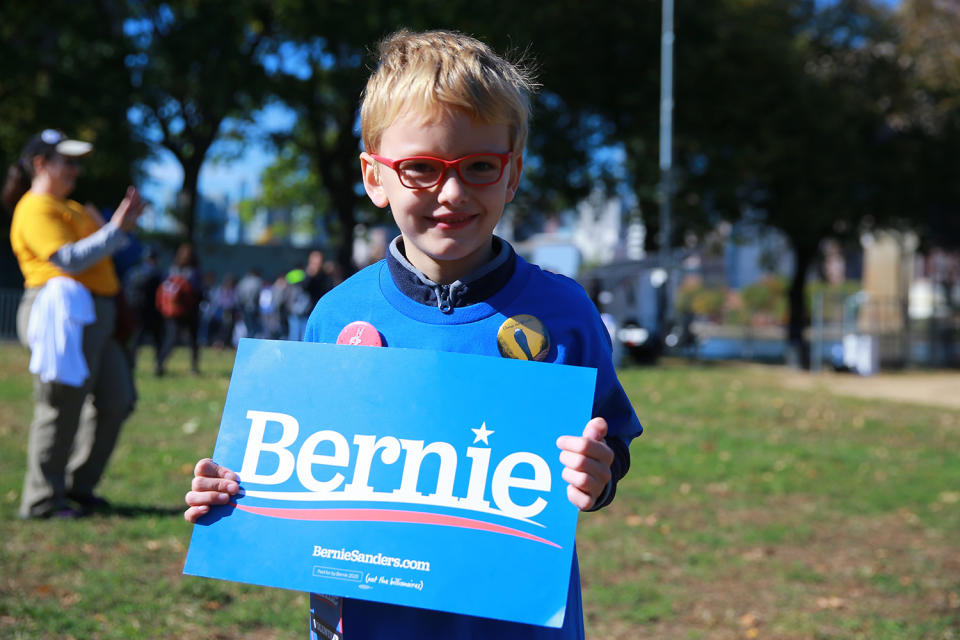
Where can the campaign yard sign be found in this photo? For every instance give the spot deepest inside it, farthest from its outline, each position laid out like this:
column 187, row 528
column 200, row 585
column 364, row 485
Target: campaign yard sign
column 403, row 476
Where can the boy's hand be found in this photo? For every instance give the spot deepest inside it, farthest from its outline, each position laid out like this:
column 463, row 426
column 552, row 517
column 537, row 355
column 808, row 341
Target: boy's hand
column 586, row 460
column 212, row 484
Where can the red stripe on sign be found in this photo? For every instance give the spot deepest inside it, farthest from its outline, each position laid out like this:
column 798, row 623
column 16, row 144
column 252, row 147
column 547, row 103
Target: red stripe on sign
column 389, row 515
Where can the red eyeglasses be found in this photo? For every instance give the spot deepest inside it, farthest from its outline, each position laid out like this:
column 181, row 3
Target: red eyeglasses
column 423, row 172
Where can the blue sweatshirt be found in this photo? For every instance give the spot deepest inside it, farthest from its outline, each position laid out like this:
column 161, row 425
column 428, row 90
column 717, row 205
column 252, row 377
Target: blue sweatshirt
column 468, row 316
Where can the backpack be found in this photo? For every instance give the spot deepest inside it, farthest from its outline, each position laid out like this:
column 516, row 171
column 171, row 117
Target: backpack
column 298, row 301
column 175, row 297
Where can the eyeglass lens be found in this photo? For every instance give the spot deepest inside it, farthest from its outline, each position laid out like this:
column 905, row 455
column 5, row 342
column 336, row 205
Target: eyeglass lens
column 475, row 170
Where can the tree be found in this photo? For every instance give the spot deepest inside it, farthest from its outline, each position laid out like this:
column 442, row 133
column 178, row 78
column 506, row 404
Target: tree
column 831, row 160
column 930, row 32
column 64, row 68
column 332, row 46
column 196, row 65
column 783, row 115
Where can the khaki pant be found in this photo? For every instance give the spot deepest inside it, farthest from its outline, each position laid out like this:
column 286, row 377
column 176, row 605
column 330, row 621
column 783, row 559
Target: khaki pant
column 74, row 429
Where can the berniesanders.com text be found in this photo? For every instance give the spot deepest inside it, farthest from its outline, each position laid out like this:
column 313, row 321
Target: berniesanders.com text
column 354, row 555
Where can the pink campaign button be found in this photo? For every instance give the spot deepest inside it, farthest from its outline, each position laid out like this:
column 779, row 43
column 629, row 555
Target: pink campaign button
column 360, row 332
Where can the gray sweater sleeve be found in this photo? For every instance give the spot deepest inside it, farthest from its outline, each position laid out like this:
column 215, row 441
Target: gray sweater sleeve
column 76, row 257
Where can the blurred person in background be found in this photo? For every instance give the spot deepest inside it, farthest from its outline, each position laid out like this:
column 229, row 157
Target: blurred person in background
column 296, row 303
column 83, row 387
column 140, row 289
column 208, row 322
column 273, row 321
column 318, row 279
column 178, row 300
column 333, row 272
column 224, row 312
column 248, row 298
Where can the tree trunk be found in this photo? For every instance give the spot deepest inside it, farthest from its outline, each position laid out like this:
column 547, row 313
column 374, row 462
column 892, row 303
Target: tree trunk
column 187, row 199
column 798, row 352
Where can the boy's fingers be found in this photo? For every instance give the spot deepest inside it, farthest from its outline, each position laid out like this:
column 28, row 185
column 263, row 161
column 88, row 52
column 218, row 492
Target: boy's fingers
column 589, row 484
column 593, row 432
column 587, row 447
column 212, row 484
column 221, row 485
column 205, row 498
column 579, row 499
column 207, row 468
column 193, row 513
column 597, row 468
column 596, row 429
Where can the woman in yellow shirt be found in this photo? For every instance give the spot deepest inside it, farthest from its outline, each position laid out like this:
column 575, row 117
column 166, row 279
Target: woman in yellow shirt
column 74, row 429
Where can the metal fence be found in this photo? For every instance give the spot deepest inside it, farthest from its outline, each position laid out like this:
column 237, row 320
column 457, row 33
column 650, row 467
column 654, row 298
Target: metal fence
column 870, row 333
column 851, row 332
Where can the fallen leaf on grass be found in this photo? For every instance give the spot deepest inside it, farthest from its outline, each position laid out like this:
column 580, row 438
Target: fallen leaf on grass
column 636, row 520
column 833, row 602
column 749, row 619
column 718, row 488
column 756, row 554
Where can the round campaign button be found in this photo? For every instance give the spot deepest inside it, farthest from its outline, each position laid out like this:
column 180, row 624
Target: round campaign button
column 523, row 337
column 360, row 332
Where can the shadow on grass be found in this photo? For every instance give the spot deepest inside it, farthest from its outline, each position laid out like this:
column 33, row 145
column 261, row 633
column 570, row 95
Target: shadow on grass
column 136, row 511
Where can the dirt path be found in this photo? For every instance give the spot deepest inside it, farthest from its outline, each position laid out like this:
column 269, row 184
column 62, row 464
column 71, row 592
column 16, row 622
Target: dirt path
column 941, row 389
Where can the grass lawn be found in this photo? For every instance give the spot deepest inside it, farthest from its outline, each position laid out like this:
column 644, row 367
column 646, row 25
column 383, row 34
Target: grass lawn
column 752, row 510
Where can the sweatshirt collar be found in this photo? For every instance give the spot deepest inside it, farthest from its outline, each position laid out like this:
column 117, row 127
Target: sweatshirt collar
column 475, row 287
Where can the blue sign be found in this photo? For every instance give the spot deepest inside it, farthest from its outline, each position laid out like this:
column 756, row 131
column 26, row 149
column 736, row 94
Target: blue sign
column 411, row 477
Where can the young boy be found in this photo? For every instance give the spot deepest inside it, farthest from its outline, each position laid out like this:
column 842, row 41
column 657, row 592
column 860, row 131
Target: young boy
column 444, row 124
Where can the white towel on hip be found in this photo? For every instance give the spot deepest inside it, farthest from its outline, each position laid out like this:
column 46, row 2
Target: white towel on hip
column 55, row 331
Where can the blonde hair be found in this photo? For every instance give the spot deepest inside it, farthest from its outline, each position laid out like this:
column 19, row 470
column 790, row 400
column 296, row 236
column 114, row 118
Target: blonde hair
column 435, row 71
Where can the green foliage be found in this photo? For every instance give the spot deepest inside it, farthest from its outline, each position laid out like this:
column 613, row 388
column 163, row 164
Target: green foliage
column 289, row 182
column 706, row 301
column 290, row 185
column 67, row 71
column 930, row 31
column 764, row 294
column 818, row 118
column 766, row 297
